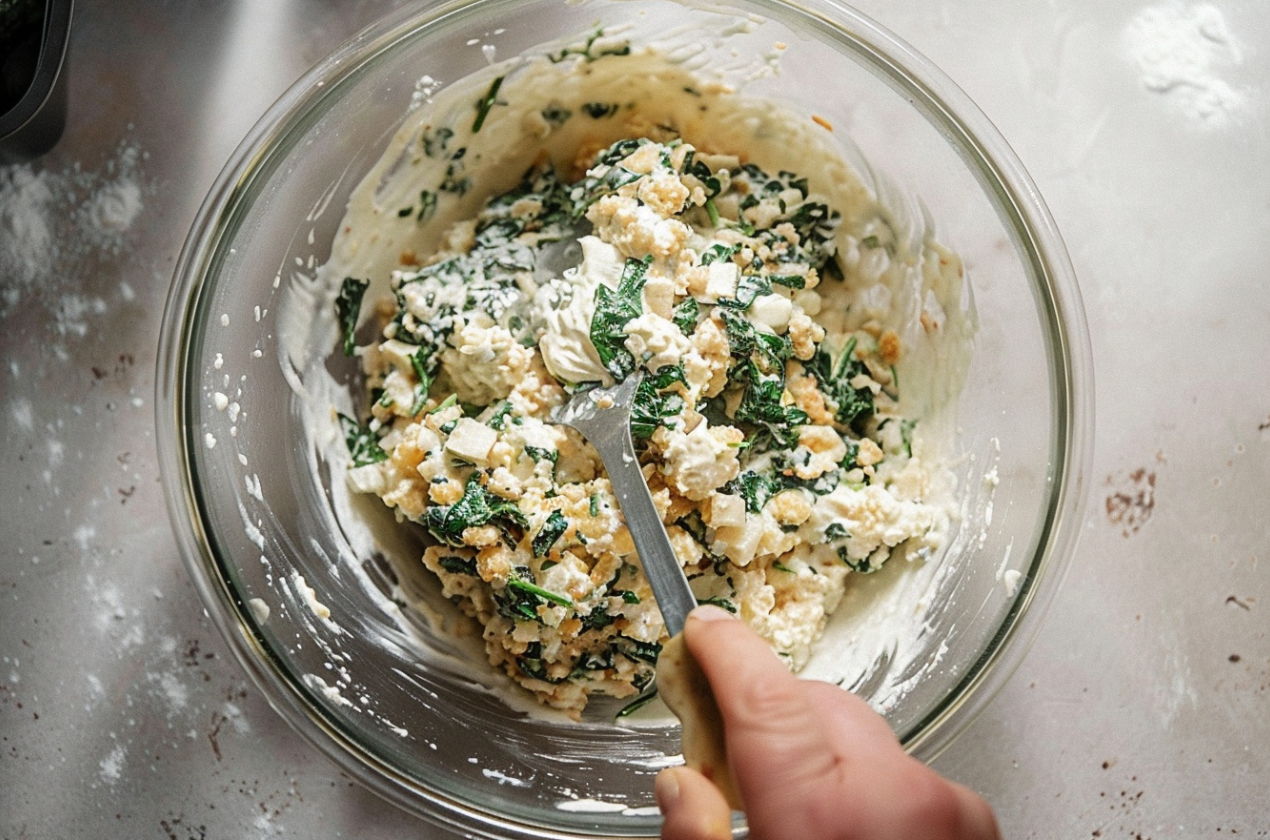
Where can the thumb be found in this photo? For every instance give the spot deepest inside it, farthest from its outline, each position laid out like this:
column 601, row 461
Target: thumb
column 777, row 742
column 692, row 806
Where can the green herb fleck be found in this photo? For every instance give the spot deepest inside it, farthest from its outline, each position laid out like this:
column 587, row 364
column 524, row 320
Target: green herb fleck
column 722, row 603
column 427, row 205
column 556, row 115
column 527, row 588
column 588, row 51
column 600, row 110
column 637, row 704
column 712, row 212
column 485, row 103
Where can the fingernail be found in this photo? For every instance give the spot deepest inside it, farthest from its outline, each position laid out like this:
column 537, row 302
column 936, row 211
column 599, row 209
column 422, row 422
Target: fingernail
column 709, row 612
column 666, row 789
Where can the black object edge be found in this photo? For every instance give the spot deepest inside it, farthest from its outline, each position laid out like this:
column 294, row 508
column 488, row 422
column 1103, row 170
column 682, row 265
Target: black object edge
column 35, row 123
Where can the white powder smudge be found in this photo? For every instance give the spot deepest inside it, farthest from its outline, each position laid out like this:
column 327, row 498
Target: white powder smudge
column 1181, row 49
column 83, row 536
column 111, row 767
column 51, row 221
column 236, row 718
column 22, row 414
column 115, row 207
column 177, row 694
column 25, row 227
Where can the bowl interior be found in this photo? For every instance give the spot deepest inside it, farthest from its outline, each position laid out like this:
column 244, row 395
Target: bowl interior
column 389, row 690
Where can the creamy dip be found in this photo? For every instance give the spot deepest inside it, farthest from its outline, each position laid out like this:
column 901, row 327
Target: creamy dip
column 568, row 220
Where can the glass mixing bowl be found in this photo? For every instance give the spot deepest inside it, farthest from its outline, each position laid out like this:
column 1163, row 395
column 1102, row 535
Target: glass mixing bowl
column 314, row 605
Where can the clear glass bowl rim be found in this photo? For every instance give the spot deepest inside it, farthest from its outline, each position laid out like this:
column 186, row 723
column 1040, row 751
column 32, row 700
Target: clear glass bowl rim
column 998, row 165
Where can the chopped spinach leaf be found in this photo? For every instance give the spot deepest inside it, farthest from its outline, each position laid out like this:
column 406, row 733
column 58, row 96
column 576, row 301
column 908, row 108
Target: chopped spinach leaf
column 427, row 205
column 719, row 253
column 686, row 315
column 556, row 115
column 552, row 530
column 722, row 603
column 459, row 565
column 613, row 310
column 363, row 444
column 595, row 620
column 600, row 110
column 537, row 453
column 650, row 407
column 477, row 507
column 485, row 103
column 639, row 651
column 347, row 307
column 436, row 142
column 834, row 377
column 790, row 281
column 498, row 420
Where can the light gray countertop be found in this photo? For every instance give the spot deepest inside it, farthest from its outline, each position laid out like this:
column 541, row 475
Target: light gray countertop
column 1143, row 709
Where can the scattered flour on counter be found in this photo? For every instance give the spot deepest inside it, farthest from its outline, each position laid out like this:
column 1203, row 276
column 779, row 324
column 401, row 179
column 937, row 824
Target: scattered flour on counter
column 54, row 221
column 1181, row 50
column 177, row 695
column 111, row 767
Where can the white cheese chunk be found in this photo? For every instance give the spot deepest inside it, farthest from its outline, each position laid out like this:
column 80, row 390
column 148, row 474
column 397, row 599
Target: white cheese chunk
column 472, row 441
column 726, row 510
column 772, row 311
column 721, row 281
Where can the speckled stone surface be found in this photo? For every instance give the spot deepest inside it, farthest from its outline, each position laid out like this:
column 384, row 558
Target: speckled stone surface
column 1143, row 709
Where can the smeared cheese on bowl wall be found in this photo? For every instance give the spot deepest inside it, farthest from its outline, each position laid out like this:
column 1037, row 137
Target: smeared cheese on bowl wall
column 566, row 220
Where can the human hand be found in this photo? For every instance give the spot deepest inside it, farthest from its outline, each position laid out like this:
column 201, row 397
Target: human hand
column 810, row 761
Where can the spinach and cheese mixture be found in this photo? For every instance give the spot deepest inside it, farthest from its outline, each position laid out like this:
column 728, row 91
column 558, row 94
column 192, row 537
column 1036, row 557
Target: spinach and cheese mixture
column 767, row 421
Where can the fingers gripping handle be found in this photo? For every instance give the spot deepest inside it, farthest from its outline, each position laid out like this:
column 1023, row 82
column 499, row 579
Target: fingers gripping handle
column 686, row 691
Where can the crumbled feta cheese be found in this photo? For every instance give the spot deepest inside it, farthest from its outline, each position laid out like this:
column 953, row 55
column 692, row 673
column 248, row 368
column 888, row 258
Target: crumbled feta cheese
column 655, row 341
column 701, row 461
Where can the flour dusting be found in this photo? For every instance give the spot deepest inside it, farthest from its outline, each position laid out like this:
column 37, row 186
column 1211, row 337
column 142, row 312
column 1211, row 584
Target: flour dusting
column 52, row 220
column 1181, row 50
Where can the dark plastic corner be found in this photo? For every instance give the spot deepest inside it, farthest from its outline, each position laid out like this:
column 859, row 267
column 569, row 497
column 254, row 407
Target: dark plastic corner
column 34, row 124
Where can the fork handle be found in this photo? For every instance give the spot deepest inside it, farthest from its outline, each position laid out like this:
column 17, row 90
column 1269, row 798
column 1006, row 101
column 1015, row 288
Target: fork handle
column 661, row 565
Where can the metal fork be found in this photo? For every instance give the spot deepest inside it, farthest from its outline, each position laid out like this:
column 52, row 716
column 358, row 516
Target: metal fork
column 603, row 417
